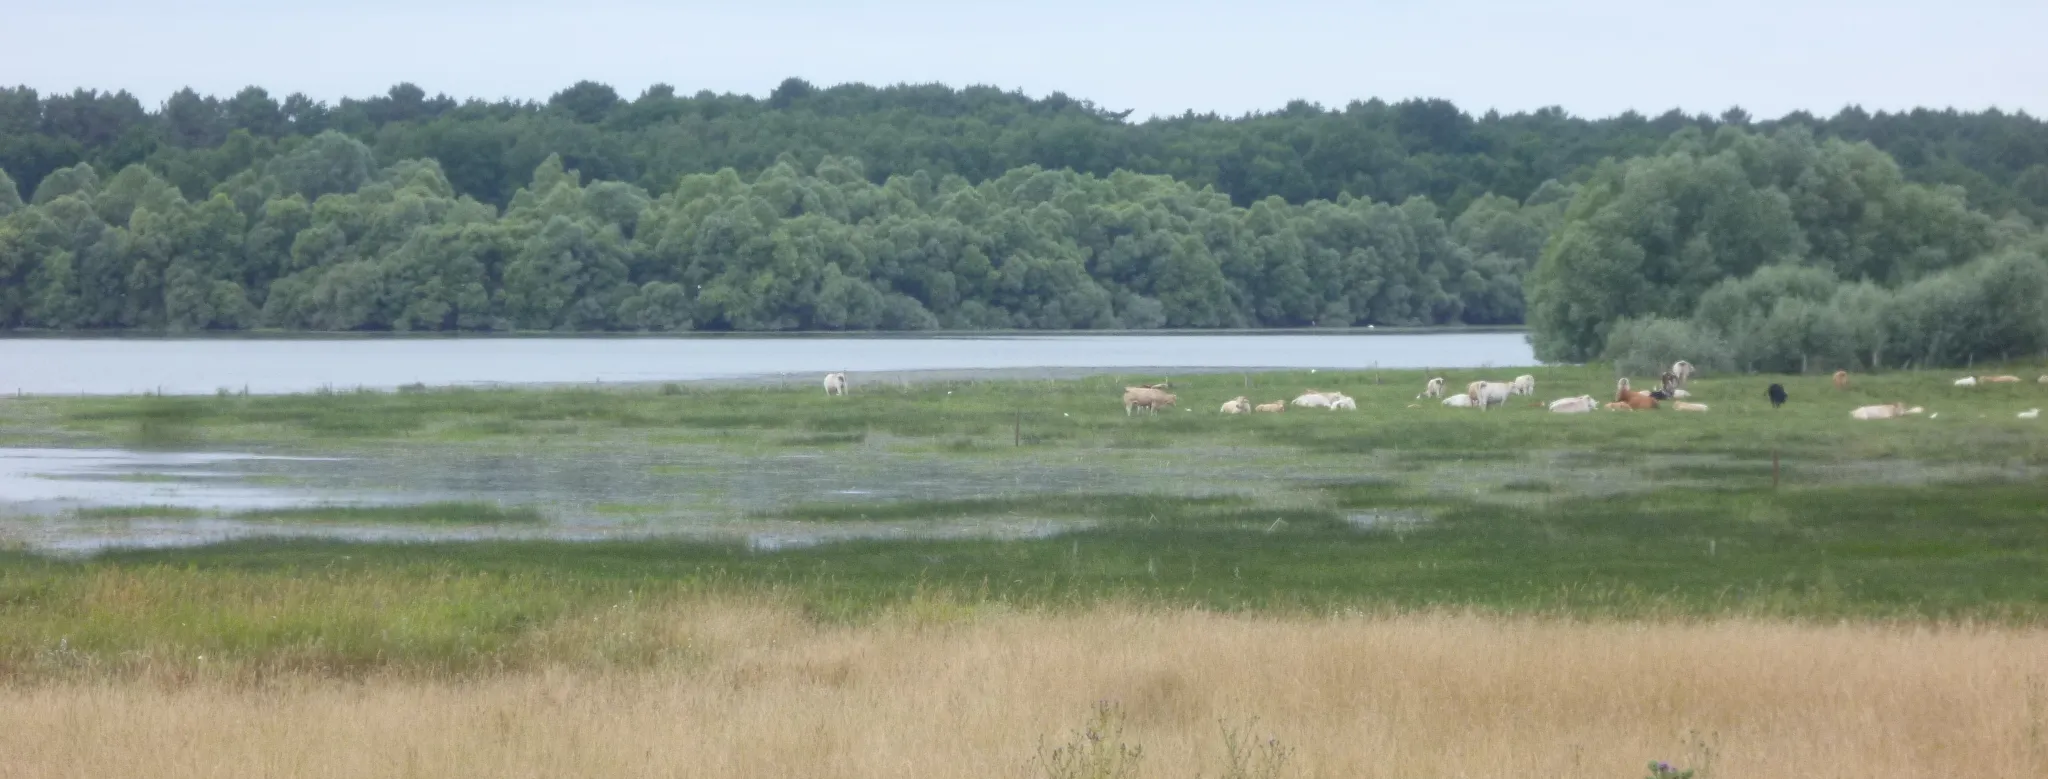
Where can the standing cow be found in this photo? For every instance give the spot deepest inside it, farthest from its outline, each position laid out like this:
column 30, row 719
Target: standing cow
column 835, row 383
column 1147, row 398
column 1488, row 393
column 1683, row 370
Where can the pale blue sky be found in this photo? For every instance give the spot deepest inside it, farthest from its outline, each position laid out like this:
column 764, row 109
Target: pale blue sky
column 1593, row 57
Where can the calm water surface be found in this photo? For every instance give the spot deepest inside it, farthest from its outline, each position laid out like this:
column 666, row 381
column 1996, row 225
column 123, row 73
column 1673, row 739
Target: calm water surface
column 111, row 366
column 186, row 498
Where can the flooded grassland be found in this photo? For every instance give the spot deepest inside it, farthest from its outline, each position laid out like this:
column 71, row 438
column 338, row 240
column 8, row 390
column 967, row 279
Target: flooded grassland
column 773, row 554
column 765, row 469
column 1006, row 458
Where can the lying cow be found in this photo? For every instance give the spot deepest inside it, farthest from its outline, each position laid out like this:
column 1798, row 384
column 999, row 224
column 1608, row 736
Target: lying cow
column 1886, row 411
column 1315, row 399
column 1274, row 407
column 1578, row 405
column 1238, row 405
column 1635, row 400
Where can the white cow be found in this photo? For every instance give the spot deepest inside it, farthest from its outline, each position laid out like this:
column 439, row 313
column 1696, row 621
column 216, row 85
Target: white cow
column 1886, row 411
column 1342, row 402
column 1435, row 388
column 1488, row 393
column 1683, row 371
column 1459, row 401
column 835, row 383
column 2032, row 413
column 1579, row 405
column 1314, row 399
column 1524, row 385
column 1967, row 381
column 1238, row 405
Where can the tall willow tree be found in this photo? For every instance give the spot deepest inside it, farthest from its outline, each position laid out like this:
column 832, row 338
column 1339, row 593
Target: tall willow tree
column 1649, row 236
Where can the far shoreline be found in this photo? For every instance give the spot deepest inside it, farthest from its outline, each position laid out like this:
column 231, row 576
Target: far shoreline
column 496, row 335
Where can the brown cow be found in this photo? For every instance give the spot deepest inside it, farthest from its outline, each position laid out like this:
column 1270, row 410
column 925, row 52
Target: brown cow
column 1146, row 398
column 1842, row 380
column 1634, row 400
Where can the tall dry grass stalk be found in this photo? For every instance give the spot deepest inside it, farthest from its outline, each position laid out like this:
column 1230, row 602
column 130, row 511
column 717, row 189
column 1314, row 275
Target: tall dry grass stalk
column 762, row 692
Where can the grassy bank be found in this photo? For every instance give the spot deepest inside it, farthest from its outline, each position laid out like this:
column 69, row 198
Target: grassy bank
column 999, row 417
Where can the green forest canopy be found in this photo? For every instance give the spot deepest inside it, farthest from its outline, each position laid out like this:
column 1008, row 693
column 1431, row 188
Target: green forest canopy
column 914, row 207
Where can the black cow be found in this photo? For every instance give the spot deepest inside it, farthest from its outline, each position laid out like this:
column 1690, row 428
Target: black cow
column 1777, row 393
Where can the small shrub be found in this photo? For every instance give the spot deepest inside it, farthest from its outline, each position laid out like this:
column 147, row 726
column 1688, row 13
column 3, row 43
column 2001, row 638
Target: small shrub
column 1648, row 346
column 1663, row 770
column 1096, row 751
column 1247, row 757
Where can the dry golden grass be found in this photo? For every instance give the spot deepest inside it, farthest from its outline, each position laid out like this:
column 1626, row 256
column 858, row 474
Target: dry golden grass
column 762, row 692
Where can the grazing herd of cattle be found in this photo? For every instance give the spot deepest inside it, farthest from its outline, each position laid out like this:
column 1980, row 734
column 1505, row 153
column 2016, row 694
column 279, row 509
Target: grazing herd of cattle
column 1487, row 394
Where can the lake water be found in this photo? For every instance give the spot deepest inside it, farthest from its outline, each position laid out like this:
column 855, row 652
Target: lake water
column 105, row 366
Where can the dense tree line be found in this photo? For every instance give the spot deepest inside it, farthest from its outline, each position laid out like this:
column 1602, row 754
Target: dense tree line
column 1868, row 240
column 321, row 237
column 1387, row 152
column 1784, row 253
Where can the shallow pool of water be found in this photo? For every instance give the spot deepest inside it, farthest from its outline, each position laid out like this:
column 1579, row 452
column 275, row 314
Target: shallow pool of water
column 51, row 481
column 48, row 496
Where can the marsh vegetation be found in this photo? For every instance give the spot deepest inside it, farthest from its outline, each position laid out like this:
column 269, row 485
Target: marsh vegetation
column 1588, row 587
